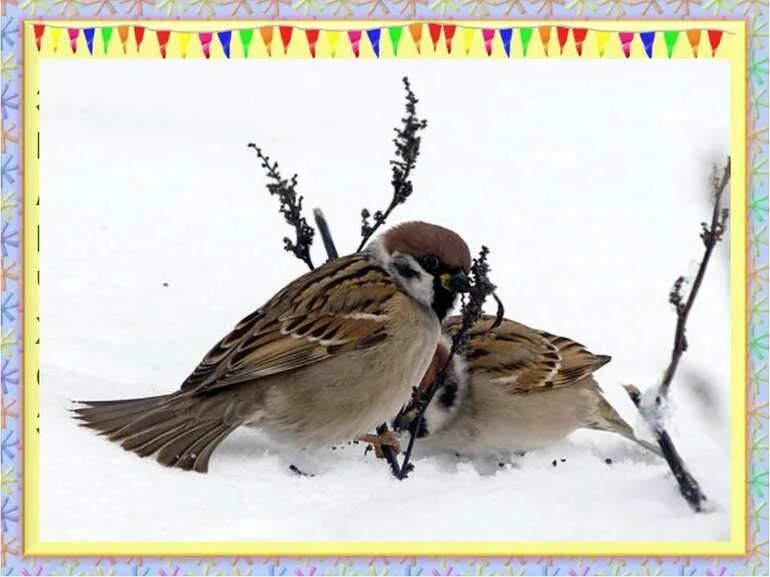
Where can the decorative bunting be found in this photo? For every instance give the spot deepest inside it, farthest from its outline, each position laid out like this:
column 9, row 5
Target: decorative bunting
column 526, row 34
column 106, row 35
column 579, row 35
column 648, row 41
column 205, row 40
column 138, row 36
column 715, row 37
column 333, row 37
column 163, row 36
column 246, row 34
column 435, row 33
column 355, row 39
column 562, row 34
column 395, row 37
column 267, row 38
column 694, row 37
column 671, row 36
column 505, row 36
column 449, row 34
column 488, row 34
column 39, row 30
column 183, row 40
column 625, row 40
column 55, row 35
column 545, row 37
column 73, row 33
column 601, row 41
column 88, row 34
column 374, row 40
column 416, row 31
column 468, row 39
column 312, row 38
column 224, row 39
column 285, row 32
column 123, row 35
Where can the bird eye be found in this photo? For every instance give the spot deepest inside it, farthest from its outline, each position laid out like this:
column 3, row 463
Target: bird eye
column 430, row 263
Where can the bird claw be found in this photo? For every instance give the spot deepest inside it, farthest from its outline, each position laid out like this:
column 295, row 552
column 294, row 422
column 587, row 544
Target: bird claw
column 377, row 442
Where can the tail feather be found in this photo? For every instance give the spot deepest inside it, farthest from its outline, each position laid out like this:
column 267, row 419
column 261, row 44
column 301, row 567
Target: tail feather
column 612, row 422
column 157, row 425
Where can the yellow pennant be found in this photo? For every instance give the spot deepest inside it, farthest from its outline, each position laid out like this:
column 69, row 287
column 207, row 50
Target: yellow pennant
column 55, row 34
column 468, row 39
column 183, row 39
column 601, row 40
column 333, row 37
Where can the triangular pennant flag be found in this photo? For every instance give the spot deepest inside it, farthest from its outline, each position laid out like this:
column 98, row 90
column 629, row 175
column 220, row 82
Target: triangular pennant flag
column 545, row 37
column 163, row 36
column 88, row 34
column 416, row 31
column 602, row 36
column 395, row 37
column 333, row 37
column 55, row 35
column 123, row 35
column 246, row 35
column 526, row 34
column 505, row 36
column 671, row 36
column 579, row 34
column 625, row 40
column 562, row 34
column 435, row 33
column 488, row 34
column 374, row 40
column 312, row 38
column 138, row 36
column 355, row 39
column 39, row 30
column 468, row 39
column 106, row 35
column 648, row 41
column 449, row 34
column 267, row 37
column 224, row 39
column 205, row 40
column 694, row 37
column 183, row 40
column 73, row 33
column 715, row 37
column 285, row 37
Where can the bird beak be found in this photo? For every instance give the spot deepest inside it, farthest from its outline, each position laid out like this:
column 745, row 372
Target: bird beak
column 456, row 283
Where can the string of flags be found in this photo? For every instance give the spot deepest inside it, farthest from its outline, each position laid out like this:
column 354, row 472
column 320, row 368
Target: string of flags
column 436, row 31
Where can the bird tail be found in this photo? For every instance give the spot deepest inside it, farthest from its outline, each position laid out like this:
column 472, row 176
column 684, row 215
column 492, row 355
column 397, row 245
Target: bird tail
column 156, row 425
column 612, row 422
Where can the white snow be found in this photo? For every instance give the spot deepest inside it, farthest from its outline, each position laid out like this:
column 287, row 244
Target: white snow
column 587, row 179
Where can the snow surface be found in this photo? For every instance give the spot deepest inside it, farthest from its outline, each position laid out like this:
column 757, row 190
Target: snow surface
column 586, row 179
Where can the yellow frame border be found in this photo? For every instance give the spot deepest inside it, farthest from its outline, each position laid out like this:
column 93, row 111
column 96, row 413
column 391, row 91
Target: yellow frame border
column 737, row 545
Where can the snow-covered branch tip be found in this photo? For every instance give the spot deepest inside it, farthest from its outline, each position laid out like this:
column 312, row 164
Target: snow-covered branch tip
column 407, row 143
column 290, row 208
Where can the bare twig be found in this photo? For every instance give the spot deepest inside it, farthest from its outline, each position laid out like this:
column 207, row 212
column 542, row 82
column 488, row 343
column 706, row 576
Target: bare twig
column 326, row 234
column 291, row 209
column 407, row 143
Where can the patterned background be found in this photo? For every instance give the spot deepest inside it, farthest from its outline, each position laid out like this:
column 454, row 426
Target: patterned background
column 11, row 66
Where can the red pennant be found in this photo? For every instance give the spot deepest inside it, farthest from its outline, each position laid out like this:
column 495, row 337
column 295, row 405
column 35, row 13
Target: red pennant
column 545, row 37
column 435, row 33
column 355, row 39
column 267, row 37
column 488, row 34
column 163, row 36
column 205, row 38
column 715, row 37
column 625, row 40
column 449, row 34
column 73, row 32
column 138, row 36
column 312, row 39
column 561, row 34
column 416, row 31
column 123, row 35
column 579, row 34
column 39, row 29
column 285, row 36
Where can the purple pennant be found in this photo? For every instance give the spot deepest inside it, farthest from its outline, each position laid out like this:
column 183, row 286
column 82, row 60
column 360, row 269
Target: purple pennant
column 89, row 34
column 224, row 40
column 505, row 36
column 374, row 39
column 648, row 40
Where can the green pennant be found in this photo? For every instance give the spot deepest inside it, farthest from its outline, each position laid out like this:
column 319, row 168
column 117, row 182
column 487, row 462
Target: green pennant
column 526, row 34
column 106, row 35
column 246, row 35
column 671, row 36
column 395, row 37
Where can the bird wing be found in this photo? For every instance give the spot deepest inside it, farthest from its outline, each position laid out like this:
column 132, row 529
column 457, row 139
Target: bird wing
column 339, row 307
column 522, row 359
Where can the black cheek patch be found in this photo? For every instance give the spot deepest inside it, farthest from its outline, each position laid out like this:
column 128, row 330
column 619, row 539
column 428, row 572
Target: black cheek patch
column 406, row 271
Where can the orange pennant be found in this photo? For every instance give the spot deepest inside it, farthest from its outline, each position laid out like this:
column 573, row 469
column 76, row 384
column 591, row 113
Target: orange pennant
column 416, row 31
column 545, row 37
column 267, row 37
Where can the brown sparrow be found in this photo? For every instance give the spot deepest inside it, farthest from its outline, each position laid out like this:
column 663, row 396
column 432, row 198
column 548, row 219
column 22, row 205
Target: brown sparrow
column 511, row 390
column 330, row 356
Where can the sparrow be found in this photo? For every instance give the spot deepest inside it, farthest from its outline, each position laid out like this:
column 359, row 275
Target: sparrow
column 512, row 389
column 330, row 356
